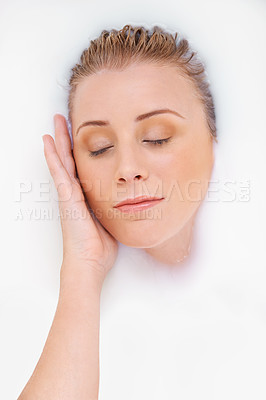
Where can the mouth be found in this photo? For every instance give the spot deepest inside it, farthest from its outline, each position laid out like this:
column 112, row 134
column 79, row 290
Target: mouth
column 138, row 204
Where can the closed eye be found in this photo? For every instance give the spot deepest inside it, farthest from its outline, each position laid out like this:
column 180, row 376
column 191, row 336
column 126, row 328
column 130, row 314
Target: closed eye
column 96, row 153
column 158, row 141
column 154, row 142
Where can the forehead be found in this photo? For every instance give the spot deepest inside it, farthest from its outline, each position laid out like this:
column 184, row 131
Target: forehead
column 132, row 91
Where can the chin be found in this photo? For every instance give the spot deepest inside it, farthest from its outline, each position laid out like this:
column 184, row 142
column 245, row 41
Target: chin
column 143, row 243
column 137, row 236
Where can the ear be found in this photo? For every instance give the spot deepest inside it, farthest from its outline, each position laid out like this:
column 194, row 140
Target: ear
column 76, row 170
column 69, row 128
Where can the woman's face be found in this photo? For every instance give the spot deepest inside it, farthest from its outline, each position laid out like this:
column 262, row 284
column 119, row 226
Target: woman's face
column 177, row 170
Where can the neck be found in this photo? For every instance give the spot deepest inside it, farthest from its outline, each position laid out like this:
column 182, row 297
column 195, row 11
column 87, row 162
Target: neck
column 176, row 249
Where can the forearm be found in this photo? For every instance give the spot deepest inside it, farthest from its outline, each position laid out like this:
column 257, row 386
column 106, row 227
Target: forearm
column 69, row 364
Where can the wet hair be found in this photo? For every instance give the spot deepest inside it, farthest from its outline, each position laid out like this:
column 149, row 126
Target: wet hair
column 117, row 49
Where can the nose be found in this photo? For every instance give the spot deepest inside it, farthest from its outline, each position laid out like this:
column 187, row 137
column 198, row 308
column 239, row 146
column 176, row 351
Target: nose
column 129, row 178
column 131, row 168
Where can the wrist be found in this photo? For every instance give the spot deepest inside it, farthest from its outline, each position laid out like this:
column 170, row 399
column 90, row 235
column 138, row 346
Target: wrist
column 81, row 276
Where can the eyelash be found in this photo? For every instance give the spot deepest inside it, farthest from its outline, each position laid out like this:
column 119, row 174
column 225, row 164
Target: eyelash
column 154, row 142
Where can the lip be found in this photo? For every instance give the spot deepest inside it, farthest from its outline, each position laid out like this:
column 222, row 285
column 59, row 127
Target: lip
column 138, row 203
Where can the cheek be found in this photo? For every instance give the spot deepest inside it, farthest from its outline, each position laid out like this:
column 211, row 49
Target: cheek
column 189, row 171
column 177, row 166
column 89, row 178
column 198, row 173
column 96, row 186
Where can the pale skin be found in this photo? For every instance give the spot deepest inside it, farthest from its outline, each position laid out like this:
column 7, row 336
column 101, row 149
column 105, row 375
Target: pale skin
column 178, row 170
column 69, row 364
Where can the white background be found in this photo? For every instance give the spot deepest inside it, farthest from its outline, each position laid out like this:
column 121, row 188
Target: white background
column 195, row 334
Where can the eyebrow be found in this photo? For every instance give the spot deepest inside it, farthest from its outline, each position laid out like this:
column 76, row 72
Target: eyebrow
column 139, row 118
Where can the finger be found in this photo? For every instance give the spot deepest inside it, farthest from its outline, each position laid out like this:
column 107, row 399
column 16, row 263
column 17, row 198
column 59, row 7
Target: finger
column 62, row 180
column 63, row 144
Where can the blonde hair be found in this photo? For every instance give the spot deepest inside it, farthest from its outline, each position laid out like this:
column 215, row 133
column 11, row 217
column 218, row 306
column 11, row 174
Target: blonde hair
column 132, row 45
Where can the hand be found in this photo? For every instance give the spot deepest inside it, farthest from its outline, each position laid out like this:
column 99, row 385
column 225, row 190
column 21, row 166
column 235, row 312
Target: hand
column 86, row 242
